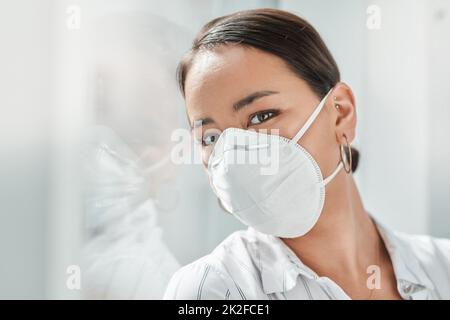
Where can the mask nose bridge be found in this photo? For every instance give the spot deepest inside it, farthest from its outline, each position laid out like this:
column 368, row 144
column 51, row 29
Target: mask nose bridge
column 235, row 139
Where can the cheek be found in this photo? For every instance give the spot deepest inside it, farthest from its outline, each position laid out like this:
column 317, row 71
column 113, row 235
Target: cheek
column 320, row 142
column 289, row 123
column 206, row 152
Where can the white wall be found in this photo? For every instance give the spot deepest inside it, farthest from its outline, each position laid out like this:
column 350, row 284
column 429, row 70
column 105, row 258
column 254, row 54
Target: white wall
column 438, row 109
column 395, row 136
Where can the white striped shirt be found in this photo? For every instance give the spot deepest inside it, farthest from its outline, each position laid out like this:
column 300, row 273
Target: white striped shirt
column 252, row 265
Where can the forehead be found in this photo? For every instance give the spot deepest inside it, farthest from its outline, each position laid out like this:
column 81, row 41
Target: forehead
column 222, row 76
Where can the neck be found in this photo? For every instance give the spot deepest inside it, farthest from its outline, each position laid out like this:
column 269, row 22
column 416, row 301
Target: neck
column 345, row 241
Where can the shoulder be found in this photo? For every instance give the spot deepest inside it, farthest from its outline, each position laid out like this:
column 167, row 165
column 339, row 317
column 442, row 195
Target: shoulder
column 201, row 279
column 225, row 273
column 430, row 251
column 433, row 258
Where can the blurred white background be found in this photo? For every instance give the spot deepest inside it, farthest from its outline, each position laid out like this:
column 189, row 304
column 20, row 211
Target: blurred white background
column 65, row 72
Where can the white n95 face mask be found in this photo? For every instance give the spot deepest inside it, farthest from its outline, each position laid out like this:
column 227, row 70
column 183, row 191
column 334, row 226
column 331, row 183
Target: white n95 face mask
column 267, row 181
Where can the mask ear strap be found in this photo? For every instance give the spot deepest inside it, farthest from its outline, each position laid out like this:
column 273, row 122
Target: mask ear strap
column 335, row 172
column 310, row 120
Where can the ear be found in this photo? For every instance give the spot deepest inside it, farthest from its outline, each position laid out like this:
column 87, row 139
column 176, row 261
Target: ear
column 344, row 105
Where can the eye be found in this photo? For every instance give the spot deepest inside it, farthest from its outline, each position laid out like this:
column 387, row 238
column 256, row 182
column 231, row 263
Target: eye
column 210, row 138
column 263, row 116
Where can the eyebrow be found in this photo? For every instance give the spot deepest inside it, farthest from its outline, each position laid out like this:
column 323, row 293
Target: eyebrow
column 201, row 122
column 251, row 98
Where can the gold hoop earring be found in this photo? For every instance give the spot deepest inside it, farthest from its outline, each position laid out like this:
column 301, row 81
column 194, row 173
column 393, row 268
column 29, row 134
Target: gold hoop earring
column 348, row 159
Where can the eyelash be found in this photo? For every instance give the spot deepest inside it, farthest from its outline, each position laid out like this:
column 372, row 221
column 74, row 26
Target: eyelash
column 215, row 135
column 207, row 145
column 272, row 113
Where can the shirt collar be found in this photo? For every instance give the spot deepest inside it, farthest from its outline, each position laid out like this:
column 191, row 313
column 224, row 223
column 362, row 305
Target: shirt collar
column 280, row 266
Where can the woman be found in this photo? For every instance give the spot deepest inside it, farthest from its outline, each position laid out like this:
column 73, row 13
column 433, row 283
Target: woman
column 309, row 236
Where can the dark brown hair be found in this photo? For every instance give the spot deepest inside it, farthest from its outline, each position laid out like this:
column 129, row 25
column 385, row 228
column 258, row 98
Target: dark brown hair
column 278, row 32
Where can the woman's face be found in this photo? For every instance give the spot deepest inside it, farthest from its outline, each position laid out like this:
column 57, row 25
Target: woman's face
column 241, row 87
